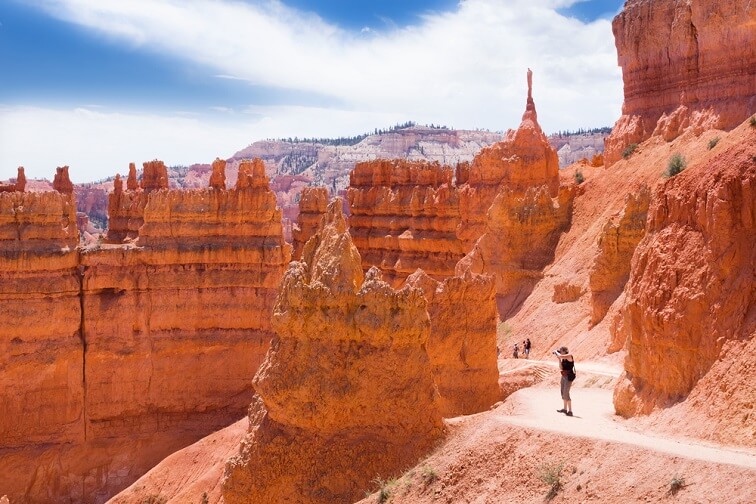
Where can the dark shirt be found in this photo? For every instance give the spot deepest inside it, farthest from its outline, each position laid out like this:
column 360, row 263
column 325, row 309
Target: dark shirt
column 567, row 365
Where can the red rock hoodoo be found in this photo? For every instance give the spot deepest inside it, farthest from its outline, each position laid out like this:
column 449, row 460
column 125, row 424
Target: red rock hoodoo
column 152, row 347
column 61, row 182
column 462, row 342
column 404, row 216
column 131, row 181
column 19, row 185
column 611, row 268
column 312, row 206
column 688, row 320
column 684, row 65
column 345, row 394
column 218, row 177
column 252, row 174
column 154, row 175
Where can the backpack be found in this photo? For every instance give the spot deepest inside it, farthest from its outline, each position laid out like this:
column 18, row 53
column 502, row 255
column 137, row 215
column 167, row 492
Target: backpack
column 573, row 375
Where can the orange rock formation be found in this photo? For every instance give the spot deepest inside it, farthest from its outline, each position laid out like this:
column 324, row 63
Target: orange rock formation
column 684, row 65
column 252, row 174
column 689, row 307
column 522, row 232
column 41, row 345
column 61, row 182
column 345, row 393
column 131, row 181
column 404, row 216
column 19, row 185
column 218, row 177
column 312, row 206
column 154, row 175
column 142, row 350
column 462, row 342
column 611, row 268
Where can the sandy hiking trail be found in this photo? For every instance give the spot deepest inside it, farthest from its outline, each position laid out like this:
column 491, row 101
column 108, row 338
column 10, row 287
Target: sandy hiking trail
column 594, row 418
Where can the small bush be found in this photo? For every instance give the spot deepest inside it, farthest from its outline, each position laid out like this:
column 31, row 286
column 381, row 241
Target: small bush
column 676, row 484
column 753, row 121
column 713, row 142
column 676, row 164
column 385, row 489
column 629, row 150
column 204, row 500
column 429, row 475
column 551, row 475
column 579, row 178
column 154, row 499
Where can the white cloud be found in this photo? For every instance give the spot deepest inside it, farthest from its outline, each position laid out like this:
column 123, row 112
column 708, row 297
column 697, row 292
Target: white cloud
column 464, row 68
column 97, row 144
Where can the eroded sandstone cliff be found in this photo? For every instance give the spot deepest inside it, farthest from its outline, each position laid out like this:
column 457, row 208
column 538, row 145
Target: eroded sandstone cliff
column 684, row 65
column 404, row 216
column 462, row 342
column 611, row 267
column 690, row 301
column 142, row 348
column 345, row 393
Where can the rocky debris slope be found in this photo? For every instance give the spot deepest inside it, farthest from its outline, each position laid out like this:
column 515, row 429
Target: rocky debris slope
column 611, row 267
column 462, row 342
column 345, row 393
column 312, row 206
column 689, row 307
column 156, row 346
column 405, row 216
column 684, row 65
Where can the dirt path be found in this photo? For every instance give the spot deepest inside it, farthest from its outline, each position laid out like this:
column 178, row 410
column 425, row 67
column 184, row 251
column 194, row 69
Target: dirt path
column 535, row 407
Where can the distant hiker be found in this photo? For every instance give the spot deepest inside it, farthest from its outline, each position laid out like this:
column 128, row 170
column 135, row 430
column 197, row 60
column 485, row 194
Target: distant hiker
column 516, row 351
column 526, row 346
column 567, row 367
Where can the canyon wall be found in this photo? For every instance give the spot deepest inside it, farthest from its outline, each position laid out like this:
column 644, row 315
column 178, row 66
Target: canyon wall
column 404, row 216
column 462, row 341
column 611, row 267
column 684, row 65
column 689, row 312
column 154, row 342
column 345, row 394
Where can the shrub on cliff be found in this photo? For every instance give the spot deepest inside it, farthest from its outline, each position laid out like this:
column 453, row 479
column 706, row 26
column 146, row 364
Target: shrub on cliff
column 676, row 164
column 629, row 150
column 713, row 142
column 579, row 178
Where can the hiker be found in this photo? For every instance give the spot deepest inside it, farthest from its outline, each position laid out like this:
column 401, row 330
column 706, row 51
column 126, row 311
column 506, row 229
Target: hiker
column 516, row 351
column 526, row 345
column 567, row 368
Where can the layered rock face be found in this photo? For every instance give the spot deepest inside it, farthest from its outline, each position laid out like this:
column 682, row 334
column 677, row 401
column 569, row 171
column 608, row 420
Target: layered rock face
column 312, row 206
column 405, row 216
column 41, row 348
column 126, row 208
column 522, row 232
column 462, row 342
column 689, row 303
column 160, row 337
column 617, row 243
column 684, row 65
column 345, row 393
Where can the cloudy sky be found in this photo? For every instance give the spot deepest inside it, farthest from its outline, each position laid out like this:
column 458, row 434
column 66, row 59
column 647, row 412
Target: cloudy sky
column 96, row 84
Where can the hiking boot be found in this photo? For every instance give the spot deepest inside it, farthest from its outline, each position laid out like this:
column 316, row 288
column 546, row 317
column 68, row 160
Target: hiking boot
column 569, row 413
column 562, row 410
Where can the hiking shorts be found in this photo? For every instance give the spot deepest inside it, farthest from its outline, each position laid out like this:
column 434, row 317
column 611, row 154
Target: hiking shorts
column 565, row 388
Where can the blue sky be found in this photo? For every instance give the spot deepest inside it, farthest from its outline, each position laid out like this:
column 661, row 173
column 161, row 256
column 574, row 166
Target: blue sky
column 96, row 84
